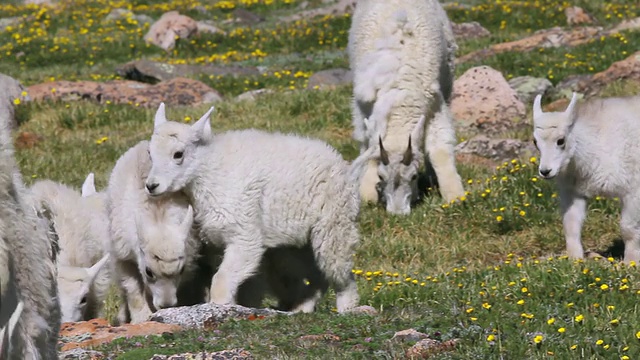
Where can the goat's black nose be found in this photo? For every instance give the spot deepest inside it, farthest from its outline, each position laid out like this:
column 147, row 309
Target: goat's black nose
column 545, row 172
column 151, row 187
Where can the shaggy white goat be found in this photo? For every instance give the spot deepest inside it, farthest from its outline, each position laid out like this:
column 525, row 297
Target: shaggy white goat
column 80, row 221
column 253, row 190
column 32, row 272
column 402, row 56
column 153, row 245
column 590, row 149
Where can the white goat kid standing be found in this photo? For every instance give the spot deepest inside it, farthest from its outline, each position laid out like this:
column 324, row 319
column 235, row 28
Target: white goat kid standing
column 590, row 148
column 153, row 244
column 402, row 55
column 253, row 190
column 81, row 225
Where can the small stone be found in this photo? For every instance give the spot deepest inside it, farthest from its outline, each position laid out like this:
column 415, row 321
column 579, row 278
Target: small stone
column 330, row 79
column 253, row 94
column 528, row 87
column 409, row 335
column 469, row 30
column 427, row 347
column 576, row 16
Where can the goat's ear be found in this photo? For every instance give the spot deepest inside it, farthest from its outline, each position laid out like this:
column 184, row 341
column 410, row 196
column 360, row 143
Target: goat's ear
column 202, row 127
column 571, row 108
column 160, row 117
column 89, row 186
column 537, row 107
column 95, row 269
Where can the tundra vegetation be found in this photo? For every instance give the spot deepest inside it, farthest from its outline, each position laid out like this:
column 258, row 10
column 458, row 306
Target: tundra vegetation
column 490, row 270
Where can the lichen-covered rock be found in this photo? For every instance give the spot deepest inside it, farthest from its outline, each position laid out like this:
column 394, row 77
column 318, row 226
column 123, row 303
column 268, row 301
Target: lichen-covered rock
column 469, row 30
column 208, row 315
column 329, row 79
column 496, row 149
column 169, row 27
column 151, row 72
column 528, row 87
column 233, row 354
column 408, row 335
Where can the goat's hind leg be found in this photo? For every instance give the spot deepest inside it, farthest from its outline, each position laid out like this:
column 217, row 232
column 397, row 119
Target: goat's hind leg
column 630, row 227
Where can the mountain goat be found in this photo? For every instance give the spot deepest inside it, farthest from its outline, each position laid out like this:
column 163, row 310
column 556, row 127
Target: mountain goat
column 153, row 244
column 252, row 190
column 590, row 150
column 80, row 221
column 30, row 312
column 402, row 56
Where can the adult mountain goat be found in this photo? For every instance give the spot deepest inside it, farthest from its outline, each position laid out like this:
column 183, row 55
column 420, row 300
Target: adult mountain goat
column 30, row 312
column 402, row 56
column 252, row 190
column 590, row 148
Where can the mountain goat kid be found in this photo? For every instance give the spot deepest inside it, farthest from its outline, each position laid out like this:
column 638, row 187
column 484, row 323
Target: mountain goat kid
column 252, row 190
column 402, row 56
column 30, row 312
column 153, row 245
column 590, row 149
column 80, row 221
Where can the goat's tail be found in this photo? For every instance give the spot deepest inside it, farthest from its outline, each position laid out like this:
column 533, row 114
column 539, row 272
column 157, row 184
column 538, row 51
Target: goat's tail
column 7, row 331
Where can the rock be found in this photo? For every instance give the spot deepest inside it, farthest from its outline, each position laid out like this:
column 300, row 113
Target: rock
column 10, row 21
column 577, row 83
column 329, row 79
column 171, row 24
column 233, row 354
column 98, row 331
column 207, row 27
column 576, row 16
column 527, row 87
column 152, row 72
column 340, row 8
column 483, row 99
column 627, row 69
column 408, row 335
column 10, row 90
column 363, row 309
column 253, row 94
column 558, row 105
column 630, row 24
column 425, row 348
column 247, row 17
column 80, row 354
column 177, row 91
column 27, row 140
column 548, row 38
column 496, row 149
column 469, row 30
column 307, row 341
column 208, row 315
column 122, row 14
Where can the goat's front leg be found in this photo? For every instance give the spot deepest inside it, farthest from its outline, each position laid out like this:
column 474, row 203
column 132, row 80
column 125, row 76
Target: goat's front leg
column 573, row 209
column 630, row 227
column 242, row 258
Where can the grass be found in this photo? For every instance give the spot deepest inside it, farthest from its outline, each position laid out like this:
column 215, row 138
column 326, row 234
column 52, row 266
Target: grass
column 488, row 269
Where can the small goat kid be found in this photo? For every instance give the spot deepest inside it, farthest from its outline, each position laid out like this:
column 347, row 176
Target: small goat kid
column 590, row 148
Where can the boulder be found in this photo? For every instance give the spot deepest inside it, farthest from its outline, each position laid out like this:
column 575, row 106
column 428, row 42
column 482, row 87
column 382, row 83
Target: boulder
column 527, row 87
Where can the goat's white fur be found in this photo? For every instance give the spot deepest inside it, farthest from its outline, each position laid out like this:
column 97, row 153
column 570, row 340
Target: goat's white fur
column 81, row 224
column 402, row 56
column 253, row 190
column 31, row 277
column 150, row 236
column 591, row 149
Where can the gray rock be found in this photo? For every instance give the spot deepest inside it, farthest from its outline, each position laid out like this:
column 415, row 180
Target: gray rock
column 233, row 354
column 205, row 315
column 10, row 21
column 208, row 27
column 253, row 94
column 10, row 89
column 328, row 79
column 408, row 335
column 496, row 149
column 211, row 97
column 80, row 354
column 153, row 72
column 578, row 83
column 528, row 87
column 247, row 17
column 469, row 30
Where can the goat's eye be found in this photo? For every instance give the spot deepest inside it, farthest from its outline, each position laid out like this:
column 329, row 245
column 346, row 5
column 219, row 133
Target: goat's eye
column 83, row 300
column 560, row 142
column 149, row 273
column 178, row 155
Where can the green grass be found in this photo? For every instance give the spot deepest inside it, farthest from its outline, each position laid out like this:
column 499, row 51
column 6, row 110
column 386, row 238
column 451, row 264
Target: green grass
column 449, row 270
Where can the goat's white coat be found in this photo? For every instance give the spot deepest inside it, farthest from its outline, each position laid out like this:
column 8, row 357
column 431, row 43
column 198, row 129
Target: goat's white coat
column 81, row 224
column 148, row 233
column 31, row 276
column 591, row 149
column 253, row 190
column 402, row 56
